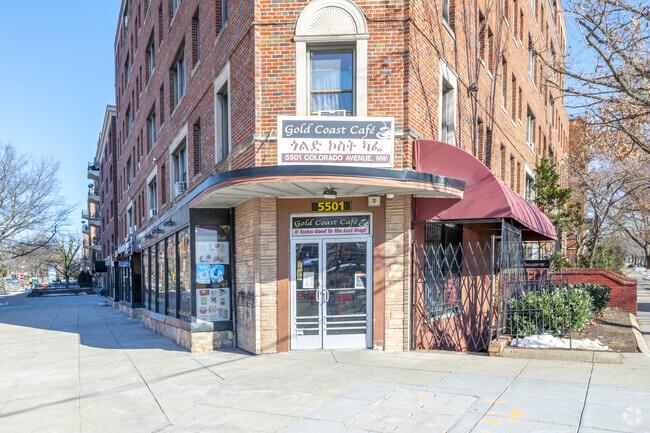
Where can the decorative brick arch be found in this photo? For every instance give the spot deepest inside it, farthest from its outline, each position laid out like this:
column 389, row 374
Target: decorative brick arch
column 326, row 22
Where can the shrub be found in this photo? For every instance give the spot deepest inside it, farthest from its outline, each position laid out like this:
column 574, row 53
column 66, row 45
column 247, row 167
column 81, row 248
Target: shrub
column 599, row 295
column 549, row 311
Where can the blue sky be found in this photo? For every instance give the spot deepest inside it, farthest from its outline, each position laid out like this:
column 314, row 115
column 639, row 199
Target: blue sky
column 56, row 80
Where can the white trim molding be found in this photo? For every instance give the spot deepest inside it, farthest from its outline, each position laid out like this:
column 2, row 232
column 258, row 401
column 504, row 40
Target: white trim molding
column 325, row 22
column 223, row 79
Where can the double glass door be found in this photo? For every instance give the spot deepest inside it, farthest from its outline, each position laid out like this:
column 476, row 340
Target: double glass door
column 331, row 285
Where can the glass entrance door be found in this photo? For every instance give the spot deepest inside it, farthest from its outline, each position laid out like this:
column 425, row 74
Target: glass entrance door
column 331, row 293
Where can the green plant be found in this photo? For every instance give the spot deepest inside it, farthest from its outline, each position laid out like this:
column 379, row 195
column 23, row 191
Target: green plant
column 557, row 261
column 599, row 295
column 550, row 310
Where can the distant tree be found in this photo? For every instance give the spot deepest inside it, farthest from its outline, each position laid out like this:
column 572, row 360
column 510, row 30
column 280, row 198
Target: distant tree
column 555, row 200
column 67, row 262
column 607, row 185
column 634, row 218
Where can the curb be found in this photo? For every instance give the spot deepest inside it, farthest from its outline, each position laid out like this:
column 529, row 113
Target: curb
column 640, row 341
column 592, row 356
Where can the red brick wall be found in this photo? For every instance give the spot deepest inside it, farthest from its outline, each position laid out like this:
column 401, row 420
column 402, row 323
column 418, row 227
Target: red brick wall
column 623, row 294
column 624, row 290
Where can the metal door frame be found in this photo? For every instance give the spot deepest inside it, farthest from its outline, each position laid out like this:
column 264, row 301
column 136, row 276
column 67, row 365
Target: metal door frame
column 321, row 240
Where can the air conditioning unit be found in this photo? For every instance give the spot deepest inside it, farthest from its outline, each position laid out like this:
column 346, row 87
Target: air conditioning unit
column 153, row 213
column 179, row 188
column 332, row 113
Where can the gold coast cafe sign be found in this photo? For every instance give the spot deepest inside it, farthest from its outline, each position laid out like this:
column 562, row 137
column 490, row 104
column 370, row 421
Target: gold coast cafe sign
column 355, row 141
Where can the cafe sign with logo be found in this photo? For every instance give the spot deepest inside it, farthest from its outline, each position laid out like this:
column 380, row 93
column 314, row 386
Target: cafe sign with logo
column 331, row 225
column 351, row 141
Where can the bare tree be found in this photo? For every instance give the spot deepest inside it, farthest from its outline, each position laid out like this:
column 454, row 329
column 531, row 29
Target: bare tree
column 31, row 210
column 606, row 185
column 66, row 261
column 634, row 218
column 609, row 76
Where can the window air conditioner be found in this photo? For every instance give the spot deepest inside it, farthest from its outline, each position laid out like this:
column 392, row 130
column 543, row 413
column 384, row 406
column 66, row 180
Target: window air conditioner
column 153, row 213
column 332, row 113
column 179, row 188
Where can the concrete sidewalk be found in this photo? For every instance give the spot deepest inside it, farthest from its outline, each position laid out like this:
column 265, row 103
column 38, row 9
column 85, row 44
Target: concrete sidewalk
column 69, row 365
column 643, row 303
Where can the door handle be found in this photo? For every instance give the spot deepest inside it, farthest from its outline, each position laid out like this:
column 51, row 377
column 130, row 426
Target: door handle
column 327, row 295
column 318, row 296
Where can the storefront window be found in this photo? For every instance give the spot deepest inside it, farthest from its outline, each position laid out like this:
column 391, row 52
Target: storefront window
column 171, row 275
column 145, row 278
column 212, row 252
column 185, row 274
column 160, row 306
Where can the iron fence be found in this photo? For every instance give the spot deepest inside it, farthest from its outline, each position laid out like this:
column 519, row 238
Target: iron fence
column 452, row 296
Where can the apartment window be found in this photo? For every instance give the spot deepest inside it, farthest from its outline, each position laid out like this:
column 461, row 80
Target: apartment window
column 174, row 5
column 150, row 56
column 515, row 17
column 448, row 12
column 160, row 23
column 521, row 26
column 480, row 140
column 331, row 81
column 151, row 129
column 531, row 58
column 196, row 139
column 488, row 148
column 481, row 36
column 521, row 103
column 161, row 97
column 490, row 47
column 126, row 70
column 222, row 114
column 128, row 171
column 447, row 105
column 178, row 76
column 529, row 193
column 530, row 129
column 128, row 121
column 196, row 46
column 152, row 193
column 514, row 97
column 223, row 9
column 504, row 82
column 551, row 111
column 163, row 189
column 512, row 172
column 518, row 182
column 179, row 169
column 129, row 221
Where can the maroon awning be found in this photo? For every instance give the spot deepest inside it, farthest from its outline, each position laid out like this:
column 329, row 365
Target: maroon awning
column 486, row 196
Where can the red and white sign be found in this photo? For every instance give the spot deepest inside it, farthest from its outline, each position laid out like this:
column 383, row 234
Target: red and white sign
column 22, row 277
column 331, row 225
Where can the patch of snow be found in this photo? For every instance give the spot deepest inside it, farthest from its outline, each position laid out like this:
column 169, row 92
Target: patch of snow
column 545, row 341
column 640, row 269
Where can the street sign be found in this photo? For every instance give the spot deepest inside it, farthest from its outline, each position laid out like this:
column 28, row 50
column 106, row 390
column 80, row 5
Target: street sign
column 22, row 277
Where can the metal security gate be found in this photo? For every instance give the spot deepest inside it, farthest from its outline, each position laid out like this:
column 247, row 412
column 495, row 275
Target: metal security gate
column 452, row 296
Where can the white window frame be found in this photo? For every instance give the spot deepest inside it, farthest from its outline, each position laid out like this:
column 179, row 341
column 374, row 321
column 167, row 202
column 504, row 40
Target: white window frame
column 151, row 58
column 530, row 174
column 324, row 23
column 177, row 143
column 332, row 49
column 180, row 77
column 530, row 128
column 448, row 79
column 222, row 82
column 152, row 198
column 152, row 128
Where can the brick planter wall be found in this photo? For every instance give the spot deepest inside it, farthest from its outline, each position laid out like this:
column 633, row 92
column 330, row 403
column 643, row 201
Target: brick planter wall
column 623, row 294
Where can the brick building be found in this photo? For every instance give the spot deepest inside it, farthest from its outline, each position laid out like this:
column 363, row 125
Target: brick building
column 271, row 157
column 100, row 226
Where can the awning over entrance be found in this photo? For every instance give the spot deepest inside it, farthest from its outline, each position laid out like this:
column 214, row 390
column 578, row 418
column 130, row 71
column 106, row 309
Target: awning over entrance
column 486, row 196
column 300, row 181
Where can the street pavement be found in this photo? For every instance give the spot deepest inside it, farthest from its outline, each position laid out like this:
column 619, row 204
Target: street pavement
column 69, row 365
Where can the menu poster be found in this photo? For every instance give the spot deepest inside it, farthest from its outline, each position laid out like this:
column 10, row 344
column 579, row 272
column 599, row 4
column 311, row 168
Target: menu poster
column 213, row 305
column 211, row 252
